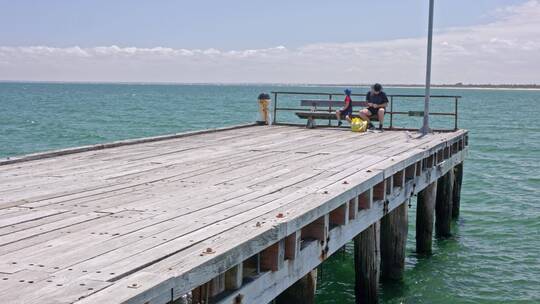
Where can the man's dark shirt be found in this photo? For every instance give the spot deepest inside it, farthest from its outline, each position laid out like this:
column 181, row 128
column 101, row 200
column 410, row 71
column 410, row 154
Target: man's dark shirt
column 376, row 98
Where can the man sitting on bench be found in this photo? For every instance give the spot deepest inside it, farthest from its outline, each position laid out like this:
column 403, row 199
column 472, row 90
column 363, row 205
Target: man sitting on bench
column 347, row 108
column 377, row 102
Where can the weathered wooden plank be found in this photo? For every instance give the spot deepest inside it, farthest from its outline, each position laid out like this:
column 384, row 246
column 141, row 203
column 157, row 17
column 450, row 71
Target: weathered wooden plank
column 48, row 291
column 20, row 279
column 38, row 156
column 10, row 211
column 243, row 143
column 31, row 232
column 97, row 230
column 192, row 153
column 144, row 186
column 29, row 215
column 101, row 186
column 348, row 132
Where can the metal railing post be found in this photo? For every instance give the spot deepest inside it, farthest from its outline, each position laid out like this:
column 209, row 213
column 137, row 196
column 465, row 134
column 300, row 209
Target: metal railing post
column 275, row 109
column 456, row 114
column 329, row 109
column 391, row 111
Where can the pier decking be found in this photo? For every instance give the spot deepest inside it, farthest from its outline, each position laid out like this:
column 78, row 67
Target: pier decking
column 232, row 216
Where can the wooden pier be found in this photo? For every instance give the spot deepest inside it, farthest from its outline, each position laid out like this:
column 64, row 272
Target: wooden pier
column 237, row 215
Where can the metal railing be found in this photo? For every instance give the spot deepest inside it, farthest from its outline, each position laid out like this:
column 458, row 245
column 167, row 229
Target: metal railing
column 392, row 99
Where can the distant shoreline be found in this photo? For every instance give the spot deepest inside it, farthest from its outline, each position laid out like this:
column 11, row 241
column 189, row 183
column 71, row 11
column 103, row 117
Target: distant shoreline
column 531, row 87
column 471, row 88
column 451, row 86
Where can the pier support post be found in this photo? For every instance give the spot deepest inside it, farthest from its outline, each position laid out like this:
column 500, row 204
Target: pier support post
column 456, row 193
column 200, row 295
column 443, row 206
column 301, row 292
column 394, row 228
column 366, row 264
column 424, row 218
column 234, row 277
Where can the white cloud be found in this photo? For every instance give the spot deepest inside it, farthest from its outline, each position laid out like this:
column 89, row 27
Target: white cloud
column 504, row 51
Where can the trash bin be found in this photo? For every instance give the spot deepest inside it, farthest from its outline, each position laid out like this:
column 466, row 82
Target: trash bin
column 264, row 102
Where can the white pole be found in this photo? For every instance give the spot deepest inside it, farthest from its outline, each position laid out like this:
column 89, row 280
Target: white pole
column 425, row 128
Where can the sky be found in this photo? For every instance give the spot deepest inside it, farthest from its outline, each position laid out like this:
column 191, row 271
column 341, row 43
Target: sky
column 241, row 41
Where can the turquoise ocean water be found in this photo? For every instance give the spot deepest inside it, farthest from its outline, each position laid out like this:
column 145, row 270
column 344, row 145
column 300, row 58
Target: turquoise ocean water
column 494, row 256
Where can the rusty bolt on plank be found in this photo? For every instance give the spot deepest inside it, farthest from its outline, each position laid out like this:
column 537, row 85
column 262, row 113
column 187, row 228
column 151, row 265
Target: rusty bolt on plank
column 280, row 215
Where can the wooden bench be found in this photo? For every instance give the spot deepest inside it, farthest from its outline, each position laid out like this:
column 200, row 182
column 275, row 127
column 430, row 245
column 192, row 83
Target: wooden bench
column 326, row 109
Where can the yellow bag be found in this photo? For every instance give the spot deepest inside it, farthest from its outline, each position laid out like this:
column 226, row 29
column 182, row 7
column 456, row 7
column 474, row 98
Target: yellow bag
column 358, row 125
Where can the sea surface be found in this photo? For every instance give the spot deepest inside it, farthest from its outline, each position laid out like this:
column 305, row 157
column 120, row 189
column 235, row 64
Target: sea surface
column 494, row 255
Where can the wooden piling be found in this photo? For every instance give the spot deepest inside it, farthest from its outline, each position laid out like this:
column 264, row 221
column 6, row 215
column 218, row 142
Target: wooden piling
column 394, row 228
column 301, row 292
column 234, row 277
column 443, row 205
column 217, row 285
column 456, row 193
column 200, row 295
column 424, row 218
column 366, row 264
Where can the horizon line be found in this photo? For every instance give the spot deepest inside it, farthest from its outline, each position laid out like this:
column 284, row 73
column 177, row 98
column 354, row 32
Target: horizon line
column 464, row 85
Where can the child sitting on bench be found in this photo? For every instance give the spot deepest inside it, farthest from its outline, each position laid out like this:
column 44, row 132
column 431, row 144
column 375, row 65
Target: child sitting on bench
column 346, row 110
